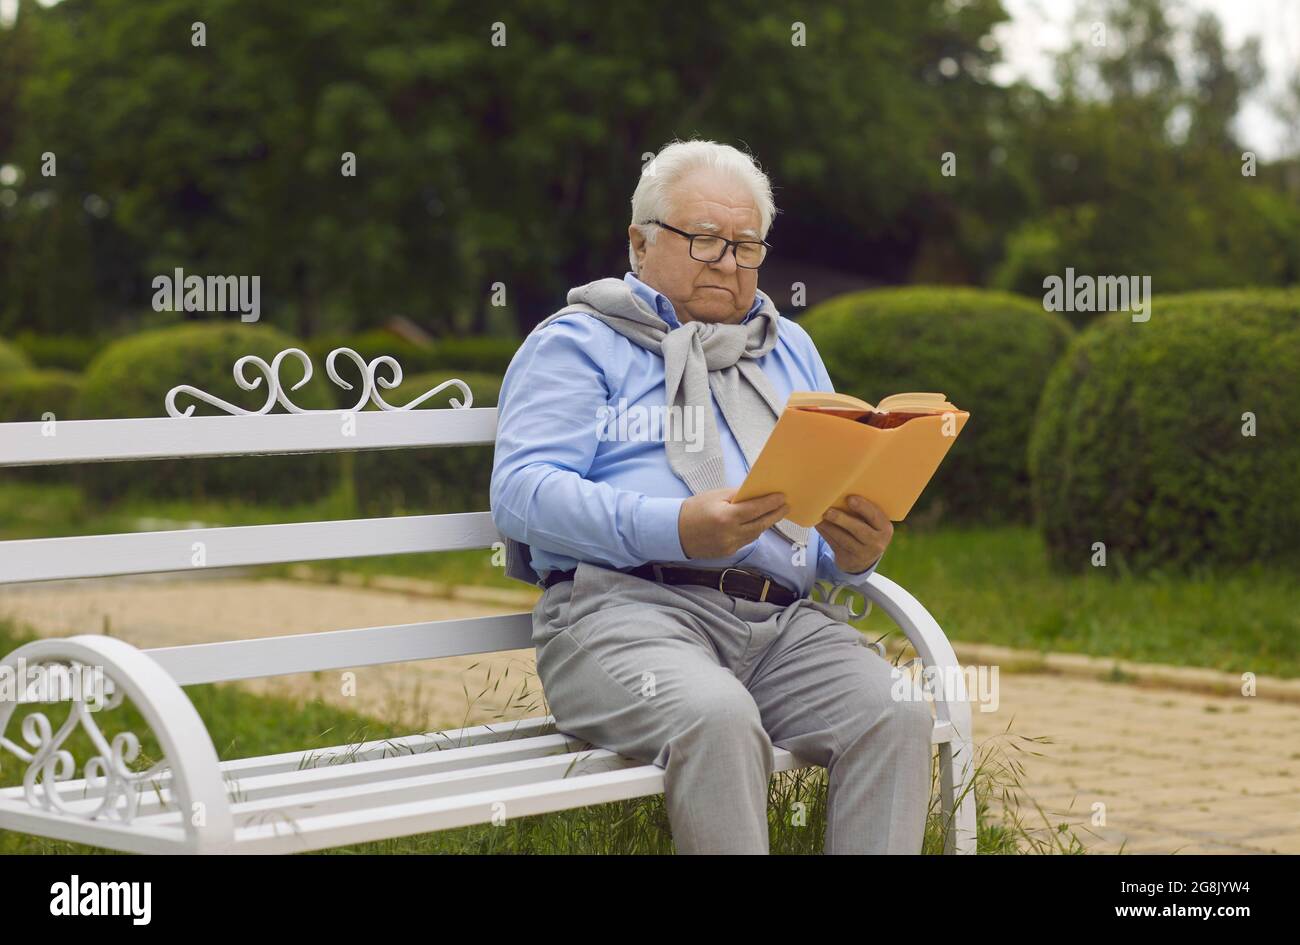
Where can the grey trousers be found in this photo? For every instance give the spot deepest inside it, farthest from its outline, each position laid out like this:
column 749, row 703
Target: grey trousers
column 703, row 685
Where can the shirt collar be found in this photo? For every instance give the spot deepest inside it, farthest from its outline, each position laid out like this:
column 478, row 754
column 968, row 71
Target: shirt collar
column 659, row 302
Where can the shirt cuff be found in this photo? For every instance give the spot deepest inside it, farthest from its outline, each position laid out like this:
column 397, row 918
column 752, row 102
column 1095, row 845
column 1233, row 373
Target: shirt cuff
column 839, row 576
column 656, row 529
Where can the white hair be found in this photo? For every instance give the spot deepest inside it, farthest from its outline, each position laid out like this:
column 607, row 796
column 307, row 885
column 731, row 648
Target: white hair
column 655, row 191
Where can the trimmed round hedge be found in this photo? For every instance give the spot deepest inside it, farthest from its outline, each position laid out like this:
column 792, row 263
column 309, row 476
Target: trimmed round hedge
column 1140, row 438
column 29, row 395
column 26, row 397
column 131, row 378
column 482, row 354
column 454, row 479
column 66, row 352
column 12, row 359
column 990, row 352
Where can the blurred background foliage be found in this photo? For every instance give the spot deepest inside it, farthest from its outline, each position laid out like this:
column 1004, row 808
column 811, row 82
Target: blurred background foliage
column 480, row 164
column 989, row 351
column 490, row 173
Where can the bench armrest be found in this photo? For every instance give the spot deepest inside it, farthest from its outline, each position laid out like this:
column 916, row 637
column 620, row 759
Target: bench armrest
column 190, row 768
column 927, row 637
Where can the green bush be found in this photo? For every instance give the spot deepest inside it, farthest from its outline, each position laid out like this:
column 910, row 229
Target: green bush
column 485, row 354
column 131, row 378
column 455, row 479
column 27, row 396
column 990, row 352
column 482, row 354
column 66, row 352
column 12, row 359
column 370, row 345
column 1140, row 438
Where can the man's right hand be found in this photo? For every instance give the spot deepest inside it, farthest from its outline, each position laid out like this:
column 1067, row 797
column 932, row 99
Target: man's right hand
column 711, row 526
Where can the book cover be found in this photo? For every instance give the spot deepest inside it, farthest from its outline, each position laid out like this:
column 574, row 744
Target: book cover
column 826, row 447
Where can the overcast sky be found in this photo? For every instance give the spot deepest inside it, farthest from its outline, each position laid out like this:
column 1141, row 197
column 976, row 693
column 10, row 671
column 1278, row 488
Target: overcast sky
column 1039, row 28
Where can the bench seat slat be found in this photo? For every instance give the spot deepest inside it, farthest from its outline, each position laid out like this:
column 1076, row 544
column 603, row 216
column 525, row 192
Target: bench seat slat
column 272, row 790
column 269, row 782
column 489, row 733
column 384, row 820
column 384, row 787
column 479, row 744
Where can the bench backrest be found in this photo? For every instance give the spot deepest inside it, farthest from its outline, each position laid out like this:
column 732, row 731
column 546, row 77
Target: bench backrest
column 58, row 442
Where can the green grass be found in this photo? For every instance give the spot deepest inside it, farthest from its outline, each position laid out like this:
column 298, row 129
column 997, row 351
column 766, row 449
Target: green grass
column 243, row 724
column 994, row 586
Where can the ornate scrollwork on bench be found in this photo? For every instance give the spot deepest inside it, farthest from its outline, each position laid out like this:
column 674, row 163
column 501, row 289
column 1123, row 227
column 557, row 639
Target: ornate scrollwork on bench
column 107, row 773
column 188, row 781
column 371, row 382
column 828, row 592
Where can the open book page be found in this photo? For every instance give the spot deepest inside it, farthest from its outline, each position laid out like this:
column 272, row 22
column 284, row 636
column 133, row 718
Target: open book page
column 915, row 403
column 891, row 412
column 828, row 399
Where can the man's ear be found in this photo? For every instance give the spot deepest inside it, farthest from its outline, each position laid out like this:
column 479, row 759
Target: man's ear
column 637, row 239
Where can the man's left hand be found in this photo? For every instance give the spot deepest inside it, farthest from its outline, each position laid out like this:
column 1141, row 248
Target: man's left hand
column 859, row 536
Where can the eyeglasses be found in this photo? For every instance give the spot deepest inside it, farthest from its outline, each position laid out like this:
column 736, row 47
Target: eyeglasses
column 705, row 247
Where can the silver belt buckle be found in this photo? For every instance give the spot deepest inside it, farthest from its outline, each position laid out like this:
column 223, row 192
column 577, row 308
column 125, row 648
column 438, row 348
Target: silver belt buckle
column 767, row 581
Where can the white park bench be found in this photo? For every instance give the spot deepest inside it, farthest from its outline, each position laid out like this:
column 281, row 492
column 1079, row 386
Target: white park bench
column 193, row 802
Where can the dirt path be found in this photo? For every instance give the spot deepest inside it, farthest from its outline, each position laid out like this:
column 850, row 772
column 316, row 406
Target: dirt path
column 424, row 695
column 1173, row 769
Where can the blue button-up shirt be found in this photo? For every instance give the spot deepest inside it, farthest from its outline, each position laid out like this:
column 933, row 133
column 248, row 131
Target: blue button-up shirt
column 564, row 483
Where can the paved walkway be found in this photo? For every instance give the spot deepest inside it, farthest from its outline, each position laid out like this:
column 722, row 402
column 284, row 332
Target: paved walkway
column 1175, row 770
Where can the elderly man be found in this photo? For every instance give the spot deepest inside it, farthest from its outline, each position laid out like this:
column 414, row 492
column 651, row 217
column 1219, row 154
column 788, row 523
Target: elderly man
column 676, row 626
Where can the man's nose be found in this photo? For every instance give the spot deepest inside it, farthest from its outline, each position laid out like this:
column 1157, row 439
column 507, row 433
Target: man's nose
column 728, row 261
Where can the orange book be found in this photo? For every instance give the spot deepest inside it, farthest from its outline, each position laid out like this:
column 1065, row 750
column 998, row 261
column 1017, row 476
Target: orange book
column 826, row 447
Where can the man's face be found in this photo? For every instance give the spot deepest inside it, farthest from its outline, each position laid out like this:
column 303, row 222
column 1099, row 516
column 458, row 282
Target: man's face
column 707, row 201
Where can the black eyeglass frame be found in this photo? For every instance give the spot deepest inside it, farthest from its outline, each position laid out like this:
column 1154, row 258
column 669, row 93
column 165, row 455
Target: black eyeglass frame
column 727, row 245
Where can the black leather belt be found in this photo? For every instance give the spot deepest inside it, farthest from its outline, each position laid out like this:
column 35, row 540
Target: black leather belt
column 736, row 582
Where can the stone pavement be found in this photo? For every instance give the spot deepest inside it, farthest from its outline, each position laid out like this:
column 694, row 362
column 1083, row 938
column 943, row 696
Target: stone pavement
column 1173, row 769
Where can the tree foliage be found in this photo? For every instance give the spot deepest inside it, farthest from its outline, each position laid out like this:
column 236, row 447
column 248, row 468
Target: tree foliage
column 500, row 145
